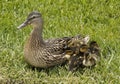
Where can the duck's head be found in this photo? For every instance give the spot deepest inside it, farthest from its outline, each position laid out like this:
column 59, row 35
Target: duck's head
column 34, row 18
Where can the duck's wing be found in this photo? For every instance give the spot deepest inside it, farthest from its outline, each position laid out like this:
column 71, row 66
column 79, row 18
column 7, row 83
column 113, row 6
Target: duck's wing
column 78, row 38
column 56, row 49
column 57, row 40
column 57, row 46
column 61, row 45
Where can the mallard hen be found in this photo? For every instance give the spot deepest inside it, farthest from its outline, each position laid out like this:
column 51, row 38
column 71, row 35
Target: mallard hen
column 45, row 53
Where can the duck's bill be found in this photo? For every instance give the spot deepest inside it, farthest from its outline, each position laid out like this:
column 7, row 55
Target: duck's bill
column 23, row 25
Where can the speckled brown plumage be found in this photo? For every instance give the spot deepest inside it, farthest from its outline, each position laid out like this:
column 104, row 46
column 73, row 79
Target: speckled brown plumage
column 44, row 53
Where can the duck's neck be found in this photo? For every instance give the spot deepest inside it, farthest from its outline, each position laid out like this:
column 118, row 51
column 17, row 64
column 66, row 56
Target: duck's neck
column 36, row 39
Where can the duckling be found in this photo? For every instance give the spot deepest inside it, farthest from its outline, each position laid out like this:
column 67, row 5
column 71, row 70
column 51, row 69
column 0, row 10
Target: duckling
column 93, row 55
column 94, row 48
column 78, row 40
column 43, row 53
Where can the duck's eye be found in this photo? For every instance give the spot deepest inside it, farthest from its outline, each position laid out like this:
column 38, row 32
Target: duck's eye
column 33, row 17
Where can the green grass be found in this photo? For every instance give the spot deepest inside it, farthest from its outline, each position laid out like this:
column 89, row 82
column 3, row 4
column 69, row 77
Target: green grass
column 100, row 19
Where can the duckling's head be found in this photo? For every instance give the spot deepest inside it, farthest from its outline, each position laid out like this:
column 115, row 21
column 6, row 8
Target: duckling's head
column 93, row 44
column 90, row 59
column 94, row 48
column 83, row 48
column 34, row 18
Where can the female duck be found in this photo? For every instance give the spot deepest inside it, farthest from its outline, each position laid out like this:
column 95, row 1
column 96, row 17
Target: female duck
column 40, row 53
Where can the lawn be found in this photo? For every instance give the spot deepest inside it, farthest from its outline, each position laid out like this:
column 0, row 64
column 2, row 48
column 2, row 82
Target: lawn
column 100, row 19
